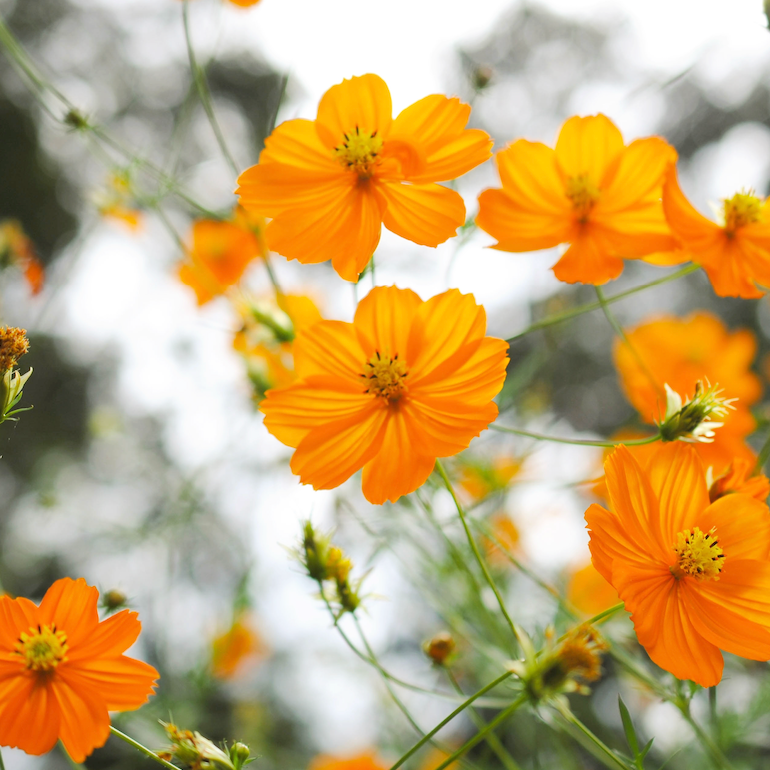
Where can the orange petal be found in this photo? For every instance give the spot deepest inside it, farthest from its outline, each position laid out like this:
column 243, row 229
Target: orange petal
column 85, row 722
column 125, row 684
column 590, row 145
column 296, row 143
column 397, row 469
column 697, row 233
column 678, row 480
column 302, row 310
column 382, row 322
column 331, row 453
column 733, row 265
column 589, row 259
column 71, row 605
column 445, row 333
column 742, row 588
column 111, row 637
column 742, row 526
column 362, row 102
column 329, row 348
column 293, row 411
column 635, row 232
column 29, row 716
column 427, row 214
column 16, row 616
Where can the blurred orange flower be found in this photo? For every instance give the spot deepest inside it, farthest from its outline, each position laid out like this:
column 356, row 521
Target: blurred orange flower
column 62, row 670
column 740, row 477
column 589, row 592
column 117, row 201
column 680, row 351
column 408, row 381
column 480, row 478
column 220, row 253
column 17, row 249
column 365, row 761
column 330, row 184
column 236, row 648
column 591, row 191
column 504, row 532
column 694, row 575
column 734, row 253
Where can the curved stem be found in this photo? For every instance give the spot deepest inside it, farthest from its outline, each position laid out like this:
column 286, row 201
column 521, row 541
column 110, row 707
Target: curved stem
column 591, row 306
column 576, row 441
column 143, row 749
column 719, row 759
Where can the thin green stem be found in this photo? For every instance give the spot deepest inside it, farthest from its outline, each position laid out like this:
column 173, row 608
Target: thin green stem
column 199, row 77
column 604, row 614
column 576, row 441
column 481, row 734
column 714, row 719
column 143, row 749
column 591, row 306
column 492, row 740
column 475, row 549
column 2, row 764
column 271, row 274
column 719, row 759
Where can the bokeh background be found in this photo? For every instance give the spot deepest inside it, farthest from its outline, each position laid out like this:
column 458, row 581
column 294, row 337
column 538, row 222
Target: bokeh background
column 144, row 466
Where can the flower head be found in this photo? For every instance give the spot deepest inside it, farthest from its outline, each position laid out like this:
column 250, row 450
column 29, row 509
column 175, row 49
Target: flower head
column 694, row 575
column 63, row 670
column 693, row 419
column 734, row 252
column 408, row 381
column 440, row 648
column 592, row 191
column 740, row 477
column 331, row 183
column 17, row 249
column 365, row 761
column 233, row 650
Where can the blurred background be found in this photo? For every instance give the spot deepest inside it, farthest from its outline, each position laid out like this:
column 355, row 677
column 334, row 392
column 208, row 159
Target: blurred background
column 144, row 466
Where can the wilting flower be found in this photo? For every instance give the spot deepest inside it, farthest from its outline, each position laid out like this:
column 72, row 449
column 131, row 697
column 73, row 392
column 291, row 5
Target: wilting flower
column 592, row 191
column 694, row 575
column 589, row 593
column 17, row 249
column 740, row 476
column 330, row 184
column 221, row 251
column 408, row 381
column 62, row 670
column 693, row 419
column 13, row 345
column 236, row 648
column 680, row 351
column 734, row 252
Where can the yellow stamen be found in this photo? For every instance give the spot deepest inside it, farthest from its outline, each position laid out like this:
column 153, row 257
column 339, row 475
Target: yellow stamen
column 583, row 193
column 741, row 210
column 699, row 555
column 385, row 376
column 359, row 152
column 42, row 648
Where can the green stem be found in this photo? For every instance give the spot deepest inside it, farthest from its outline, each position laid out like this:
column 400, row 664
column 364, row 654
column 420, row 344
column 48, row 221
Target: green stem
column 2, row 764
column 605, row 614
column 475, row 549
column 143, row 749
column 492, row 740
column 719, row 759
column 199, row 77
column 271, row 274
column 481, row 734
column 576, row 441
column 591, row 306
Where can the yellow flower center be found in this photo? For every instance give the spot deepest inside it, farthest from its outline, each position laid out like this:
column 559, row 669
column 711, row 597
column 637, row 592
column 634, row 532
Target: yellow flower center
column 359, row 152
column 42, row 648
column 386, row 376
column 583, row 193
column 740, row 210
column 699, row 555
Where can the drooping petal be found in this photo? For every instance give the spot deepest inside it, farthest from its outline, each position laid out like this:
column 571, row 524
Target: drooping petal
column 296, row 143
column 427, row 214
column 72, row 606
column 696, row 231
column 592, row 146
column 293, row 411
column 382, row 322
column 589, row 259
column 125, row 684
column 396, row 469
column 678, row 480
column 742, row 526
column 329, row 348
column 332, row 452
column 362, row 102
column 733, row 265
column 29, row 715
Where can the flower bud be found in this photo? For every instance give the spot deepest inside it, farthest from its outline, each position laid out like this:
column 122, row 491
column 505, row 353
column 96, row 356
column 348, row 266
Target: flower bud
column 693, row 420
column 440, row 647
column 193, row 750
column 239, row 754
column 113, row 600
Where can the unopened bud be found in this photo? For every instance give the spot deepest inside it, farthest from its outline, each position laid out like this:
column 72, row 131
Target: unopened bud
column 482, row 74
column 440, row 647
column 239, row 754
column 113, row 600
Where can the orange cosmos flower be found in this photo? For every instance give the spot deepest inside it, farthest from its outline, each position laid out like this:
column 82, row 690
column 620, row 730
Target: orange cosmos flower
column 589, row 593
column 734, row 253
column 408, row 381
column 16, row 248
column 236, row 648
column 330, row 184
column 740, row 477
column 365, row 761
column 480, row 477
column 679, row 352
column 694, row 575
column 62, row 670
column 591, row 191
column 220, row 253
column 504, row 532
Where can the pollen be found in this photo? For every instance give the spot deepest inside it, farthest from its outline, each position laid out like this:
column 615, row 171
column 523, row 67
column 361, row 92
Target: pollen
column 583, row 193
column 385, row 377
column 42, row 648
column 698, row 555
column 741, row 210
column 13, row 345
column 359, row 152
